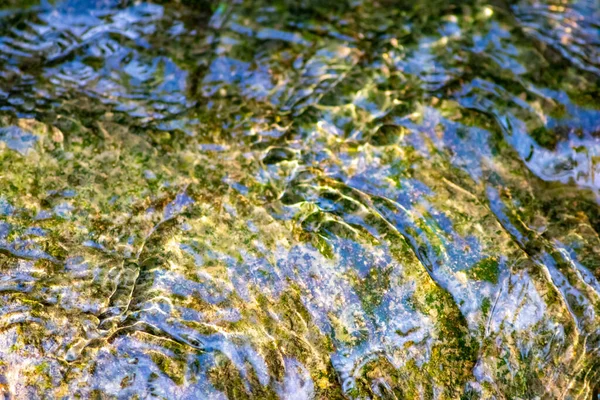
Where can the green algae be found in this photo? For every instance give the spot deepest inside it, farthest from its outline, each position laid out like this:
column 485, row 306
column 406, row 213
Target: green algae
column 485, row 270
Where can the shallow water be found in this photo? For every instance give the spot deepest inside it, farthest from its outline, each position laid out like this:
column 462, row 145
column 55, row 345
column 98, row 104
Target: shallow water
column 300, row 200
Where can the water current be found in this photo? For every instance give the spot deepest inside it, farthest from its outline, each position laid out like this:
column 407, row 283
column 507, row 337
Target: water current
column 317, row 199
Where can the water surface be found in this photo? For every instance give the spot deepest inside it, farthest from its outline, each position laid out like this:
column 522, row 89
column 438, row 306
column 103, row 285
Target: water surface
column 300, row 200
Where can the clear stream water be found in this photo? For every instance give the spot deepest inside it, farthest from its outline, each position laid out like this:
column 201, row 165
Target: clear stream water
column 315, row 199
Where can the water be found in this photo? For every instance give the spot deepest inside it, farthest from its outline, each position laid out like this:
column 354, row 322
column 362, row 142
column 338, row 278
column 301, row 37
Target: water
column 300, row 200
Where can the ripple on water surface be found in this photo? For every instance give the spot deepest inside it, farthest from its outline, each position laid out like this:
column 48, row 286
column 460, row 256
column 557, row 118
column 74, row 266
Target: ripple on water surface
column 298, row 200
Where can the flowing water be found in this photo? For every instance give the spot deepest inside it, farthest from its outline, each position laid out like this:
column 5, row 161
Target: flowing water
column 262, row 199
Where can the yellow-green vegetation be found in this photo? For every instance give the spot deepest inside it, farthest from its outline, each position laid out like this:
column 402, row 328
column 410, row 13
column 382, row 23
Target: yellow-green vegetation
column 485, row 270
